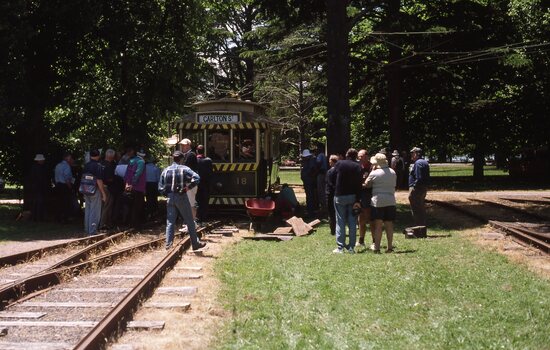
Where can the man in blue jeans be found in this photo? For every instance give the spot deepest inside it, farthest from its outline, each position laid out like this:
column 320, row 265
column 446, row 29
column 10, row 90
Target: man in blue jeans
column 347, row 178
column 174, row 183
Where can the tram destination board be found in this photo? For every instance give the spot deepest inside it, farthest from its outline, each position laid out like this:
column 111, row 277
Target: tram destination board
column 241, row 183
column 218, row 118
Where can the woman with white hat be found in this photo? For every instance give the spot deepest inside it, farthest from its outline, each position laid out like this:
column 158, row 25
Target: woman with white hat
column 382, row 179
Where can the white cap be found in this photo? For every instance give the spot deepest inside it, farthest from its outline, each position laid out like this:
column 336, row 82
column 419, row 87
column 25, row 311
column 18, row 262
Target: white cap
column 39, row 157
column 306, row 153
column 185, row 142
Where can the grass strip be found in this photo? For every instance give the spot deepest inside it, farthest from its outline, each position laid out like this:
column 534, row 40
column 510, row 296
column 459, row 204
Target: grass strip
column 442, row 293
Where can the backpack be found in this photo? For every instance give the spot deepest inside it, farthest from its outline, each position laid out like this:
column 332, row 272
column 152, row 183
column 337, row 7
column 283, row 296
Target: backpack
column 88, row 184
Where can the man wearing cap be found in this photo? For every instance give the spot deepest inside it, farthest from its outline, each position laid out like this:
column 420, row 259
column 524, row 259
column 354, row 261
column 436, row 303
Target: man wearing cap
column 419, row 177
column 134, row 186
column 92, row 209
column 190, row 160
column 307, row 174
column 39, row 185
column 175, row 182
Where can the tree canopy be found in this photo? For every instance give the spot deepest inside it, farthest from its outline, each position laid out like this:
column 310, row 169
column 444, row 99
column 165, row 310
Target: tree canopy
column 454, row 77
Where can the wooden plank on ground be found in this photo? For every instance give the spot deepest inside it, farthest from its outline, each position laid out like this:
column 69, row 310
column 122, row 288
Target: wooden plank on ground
column 265, row 237
column 227, row 233
column 121, row 276
column 75, row 324
column 181, row 306
column 35, row 346
column 66, row 304
column 188, row 268
column 280, row 231
column 299, row 227
column 186, row 276
column 145, row 325
column 177, row 290
column 232, row 228
column 3, row 331
column 314, row 223
column 9, row 314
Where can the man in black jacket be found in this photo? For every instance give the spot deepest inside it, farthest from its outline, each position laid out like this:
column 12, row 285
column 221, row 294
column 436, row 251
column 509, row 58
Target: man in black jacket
column 347, row 194
column 205, row 170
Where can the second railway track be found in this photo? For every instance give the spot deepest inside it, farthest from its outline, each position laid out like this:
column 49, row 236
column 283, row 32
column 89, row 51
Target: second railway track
column 522, row 225
column 87, row 310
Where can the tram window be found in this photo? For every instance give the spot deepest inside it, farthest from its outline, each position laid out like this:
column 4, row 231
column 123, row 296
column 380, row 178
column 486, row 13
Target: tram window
column 218, row 145
column 245, row 145
column 196, row 137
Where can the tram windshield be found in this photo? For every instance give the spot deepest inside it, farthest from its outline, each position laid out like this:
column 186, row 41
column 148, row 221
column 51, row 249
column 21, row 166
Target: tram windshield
column 218, row 145
column 244, row 142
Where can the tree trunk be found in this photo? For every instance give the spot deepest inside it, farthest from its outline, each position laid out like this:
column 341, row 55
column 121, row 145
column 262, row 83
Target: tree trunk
column 338, row 109
column 395, row 83
column 479, row 162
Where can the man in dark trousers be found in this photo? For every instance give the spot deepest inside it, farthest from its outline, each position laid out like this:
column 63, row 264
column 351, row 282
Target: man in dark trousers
column 109, row 165
column 419, row 177
column 175, row 182
column 347, row 178
column 63, row 178
column 205, row 170
column 190, row 160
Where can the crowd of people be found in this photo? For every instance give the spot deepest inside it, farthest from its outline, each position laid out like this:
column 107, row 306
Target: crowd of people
column 358, row 191
column 122, row 189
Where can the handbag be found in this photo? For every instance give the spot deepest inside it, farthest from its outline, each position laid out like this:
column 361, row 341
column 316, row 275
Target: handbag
column 88, row 184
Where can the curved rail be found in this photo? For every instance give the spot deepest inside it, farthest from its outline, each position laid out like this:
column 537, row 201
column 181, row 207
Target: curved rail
column 16, row 290
column 514, row 209
column 22, row 257
column 114, row 321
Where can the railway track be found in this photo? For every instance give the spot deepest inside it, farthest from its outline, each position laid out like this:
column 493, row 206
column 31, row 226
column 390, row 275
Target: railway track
column 516, row 223
column 84, row 304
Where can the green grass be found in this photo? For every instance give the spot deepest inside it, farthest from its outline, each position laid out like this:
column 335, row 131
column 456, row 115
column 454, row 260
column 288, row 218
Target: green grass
column 440, row 293
column 456, row 177
column 291, row 177
column 12, row 230
column 464, row 170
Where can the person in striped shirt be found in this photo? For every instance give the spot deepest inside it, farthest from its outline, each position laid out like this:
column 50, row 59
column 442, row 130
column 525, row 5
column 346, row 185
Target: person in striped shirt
column 174, row 183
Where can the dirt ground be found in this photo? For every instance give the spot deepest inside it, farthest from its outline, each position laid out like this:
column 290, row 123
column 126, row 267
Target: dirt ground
column 197, row 327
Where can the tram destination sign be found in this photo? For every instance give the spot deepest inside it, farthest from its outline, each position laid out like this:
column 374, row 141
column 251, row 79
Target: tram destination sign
column 218, row 118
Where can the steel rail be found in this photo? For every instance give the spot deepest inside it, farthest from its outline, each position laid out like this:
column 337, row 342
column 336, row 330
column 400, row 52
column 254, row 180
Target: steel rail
column 526, row 200
column 525, row 235
column 117, row 318
column 516, row 210
column 19, row 288
column 455, row 207
column 22, row 257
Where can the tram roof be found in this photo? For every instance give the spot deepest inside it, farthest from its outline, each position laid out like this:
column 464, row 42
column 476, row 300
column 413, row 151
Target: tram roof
column 247, row 115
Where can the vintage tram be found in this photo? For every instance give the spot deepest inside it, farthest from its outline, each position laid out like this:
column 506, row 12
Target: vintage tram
column 243, row 144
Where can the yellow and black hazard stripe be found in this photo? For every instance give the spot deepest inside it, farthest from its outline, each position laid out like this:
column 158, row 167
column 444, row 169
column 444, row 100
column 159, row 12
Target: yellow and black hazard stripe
column 197, row 126
column 227, row 201
column 235, row 167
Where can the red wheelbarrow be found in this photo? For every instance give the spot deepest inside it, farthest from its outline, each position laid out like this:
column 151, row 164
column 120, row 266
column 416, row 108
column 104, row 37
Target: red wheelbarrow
column 259, row 210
